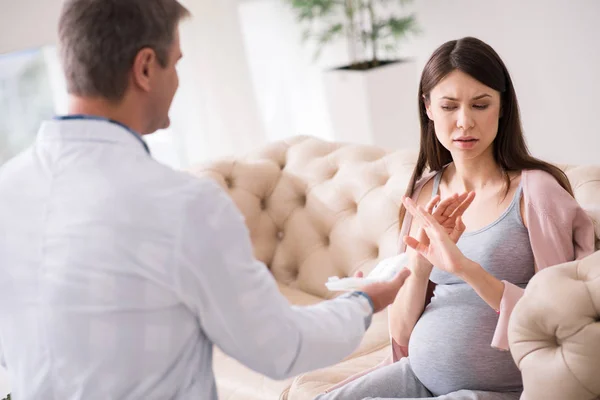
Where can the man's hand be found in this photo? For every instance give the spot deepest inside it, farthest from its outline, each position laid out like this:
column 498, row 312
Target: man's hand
column 382, row 294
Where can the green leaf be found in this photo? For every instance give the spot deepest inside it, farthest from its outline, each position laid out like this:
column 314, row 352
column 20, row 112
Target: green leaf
column 312, row 9
column 391, row 48
column 325, row 21
column 306, row 35
column 401, row 27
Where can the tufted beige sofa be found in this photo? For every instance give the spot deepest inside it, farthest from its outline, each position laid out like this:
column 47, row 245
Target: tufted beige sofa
column 316, row 209
column 555, row 332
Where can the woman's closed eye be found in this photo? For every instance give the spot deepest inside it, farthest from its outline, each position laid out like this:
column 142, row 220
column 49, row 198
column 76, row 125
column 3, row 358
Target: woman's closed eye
column 448, row 107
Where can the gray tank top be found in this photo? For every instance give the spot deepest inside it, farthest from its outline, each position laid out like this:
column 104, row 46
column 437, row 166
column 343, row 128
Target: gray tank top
column 449, row 348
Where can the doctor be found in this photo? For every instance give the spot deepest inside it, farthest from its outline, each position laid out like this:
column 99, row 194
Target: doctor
column 118, row 274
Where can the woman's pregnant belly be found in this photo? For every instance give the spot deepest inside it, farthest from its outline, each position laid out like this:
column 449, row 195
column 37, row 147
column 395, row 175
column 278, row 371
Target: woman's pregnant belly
column 450, row 350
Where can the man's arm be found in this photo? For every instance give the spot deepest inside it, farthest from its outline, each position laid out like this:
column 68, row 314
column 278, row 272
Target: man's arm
column 239, row 306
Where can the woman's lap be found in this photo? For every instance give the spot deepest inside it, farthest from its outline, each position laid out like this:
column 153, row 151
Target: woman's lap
column 397, row 381
column 392, row 381
column 463, row 395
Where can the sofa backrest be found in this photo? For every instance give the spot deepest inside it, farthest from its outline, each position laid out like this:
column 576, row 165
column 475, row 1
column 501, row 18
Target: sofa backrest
column 317, row 209
column 585, row 180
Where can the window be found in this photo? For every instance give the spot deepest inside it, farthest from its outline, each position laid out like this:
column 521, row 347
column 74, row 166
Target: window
column 26, row 99
column 32, row 89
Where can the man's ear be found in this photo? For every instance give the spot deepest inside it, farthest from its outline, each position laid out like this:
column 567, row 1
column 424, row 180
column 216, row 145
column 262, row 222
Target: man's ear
column 143, row 67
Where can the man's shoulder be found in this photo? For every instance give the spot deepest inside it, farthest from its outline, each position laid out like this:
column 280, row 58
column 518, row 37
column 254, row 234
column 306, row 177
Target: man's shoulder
column 14, row 168
column 182, row 186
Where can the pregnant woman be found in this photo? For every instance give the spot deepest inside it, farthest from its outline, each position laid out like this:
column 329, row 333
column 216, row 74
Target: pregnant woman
column 449, row 321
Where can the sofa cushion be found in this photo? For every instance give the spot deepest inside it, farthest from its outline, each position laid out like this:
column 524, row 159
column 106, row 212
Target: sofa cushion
column 235, row 381
column 317, row 209
column 309, row 385
column 554, row 332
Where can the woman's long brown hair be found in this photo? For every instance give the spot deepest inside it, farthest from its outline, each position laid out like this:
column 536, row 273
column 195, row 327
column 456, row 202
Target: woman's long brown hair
column 480, row 61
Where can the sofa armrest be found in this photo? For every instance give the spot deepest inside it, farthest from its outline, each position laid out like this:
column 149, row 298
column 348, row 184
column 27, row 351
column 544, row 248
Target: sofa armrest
column 554, row 332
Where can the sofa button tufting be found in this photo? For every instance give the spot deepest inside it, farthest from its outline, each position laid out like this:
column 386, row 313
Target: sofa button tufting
column 282, row 162
column 326, row 241
column 302, row 200
column 295, row 273
column 263, row 204
column 280, row 235
column 229, row 182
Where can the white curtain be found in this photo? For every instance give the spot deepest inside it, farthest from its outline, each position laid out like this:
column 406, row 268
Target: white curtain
column 287, row 78
column 215, row 112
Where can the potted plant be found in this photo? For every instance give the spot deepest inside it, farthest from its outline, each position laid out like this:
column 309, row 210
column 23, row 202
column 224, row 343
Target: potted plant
column 372, row 98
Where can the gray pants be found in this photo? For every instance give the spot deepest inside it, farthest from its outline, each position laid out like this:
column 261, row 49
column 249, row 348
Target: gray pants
column 397, row 381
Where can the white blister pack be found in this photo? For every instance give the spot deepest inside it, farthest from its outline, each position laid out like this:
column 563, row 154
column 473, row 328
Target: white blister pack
column 384, row 271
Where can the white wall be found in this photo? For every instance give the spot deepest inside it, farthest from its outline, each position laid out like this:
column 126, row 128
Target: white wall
column 22, row 24
column 551, row 47
column 552, row 50
column 215, row 111
column 219, row 115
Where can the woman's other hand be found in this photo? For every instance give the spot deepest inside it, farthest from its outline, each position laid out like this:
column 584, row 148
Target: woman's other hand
column 435, row 242
column 448, row 214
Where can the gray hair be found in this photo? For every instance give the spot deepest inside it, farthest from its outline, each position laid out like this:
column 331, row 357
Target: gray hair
column 100, row 39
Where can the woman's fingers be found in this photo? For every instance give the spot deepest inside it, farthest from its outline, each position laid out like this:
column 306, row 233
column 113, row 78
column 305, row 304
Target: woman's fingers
column 462, row 207
column 432, row 203
column 446, row 205
column 412, row 208
column 434, row 224
column 430, row 219
column 460, row 225
column 459, row 229
column 415, row 244
column 426, row 220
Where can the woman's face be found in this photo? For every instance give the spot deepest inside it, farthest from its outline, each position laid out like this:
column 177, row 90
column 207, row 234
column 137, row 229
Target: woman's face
column 465, row 114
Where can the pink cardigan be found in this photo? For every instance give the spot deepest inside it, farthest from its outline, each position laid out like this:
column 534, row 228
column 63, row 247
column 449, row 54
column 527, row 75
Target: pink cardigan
column 559, row 231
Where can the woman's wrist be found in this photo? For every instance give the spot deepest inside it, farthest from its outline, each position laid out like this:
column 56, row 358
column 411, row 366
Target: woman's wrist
column 420, row 266
column 485, row 284
column 469, row 270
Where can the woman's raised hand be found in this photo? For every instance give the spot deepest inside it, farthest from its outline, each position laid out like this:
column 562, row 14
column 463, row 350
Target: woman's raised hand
column 437, row 242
